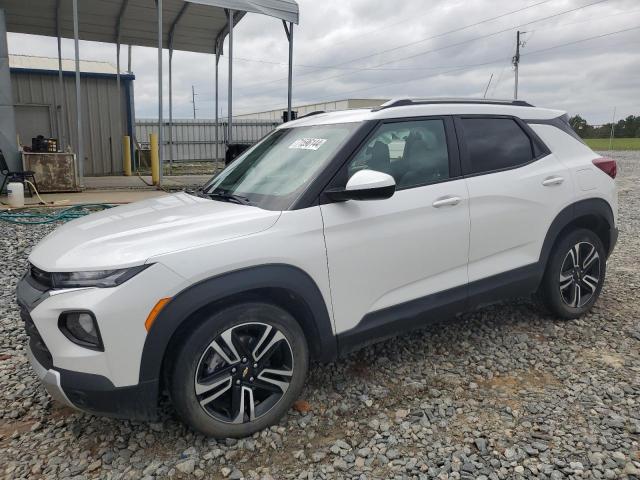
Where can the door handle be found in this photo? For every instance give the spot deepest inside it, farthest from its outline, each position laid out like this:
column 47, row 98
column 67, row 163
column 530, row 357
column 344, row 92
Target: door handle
column 549, row 181
column 448, row 201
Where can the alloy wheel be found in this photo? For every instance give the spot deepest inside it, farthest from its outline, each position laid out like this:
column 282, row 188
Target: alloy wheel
column 244, row 372
column 580, row 274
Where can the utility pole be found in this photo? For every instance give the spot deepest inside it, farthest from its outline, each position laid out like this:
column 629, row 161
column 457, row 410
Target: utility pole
column 516, row 61
column 613, row 128
column 193, row 100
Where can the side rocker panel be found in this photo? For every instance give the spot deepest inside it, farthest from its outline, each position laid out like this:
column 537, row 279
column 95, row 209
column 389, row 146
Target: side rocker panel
column 194, row 298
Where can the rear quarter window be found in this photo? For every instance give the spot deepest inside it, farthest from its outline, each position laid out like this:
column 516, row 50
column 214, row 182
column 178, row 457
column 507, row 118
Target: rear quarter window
column 561, row 123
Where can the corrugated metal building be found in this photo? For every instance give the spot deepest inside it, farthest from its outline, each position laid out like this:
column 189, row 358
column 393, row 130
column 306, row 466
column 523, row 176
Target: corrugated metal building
column 42, row 109
column 276, row 115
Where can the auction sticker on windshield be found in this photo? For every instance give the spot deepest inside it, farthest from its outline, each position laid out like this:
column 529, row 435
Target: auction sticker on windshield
column 308, row 143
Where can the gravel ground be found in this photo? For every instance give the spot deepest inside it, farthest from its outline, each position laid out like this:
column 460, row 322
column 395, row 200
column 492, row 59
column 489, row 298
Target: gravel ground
column 504, row 393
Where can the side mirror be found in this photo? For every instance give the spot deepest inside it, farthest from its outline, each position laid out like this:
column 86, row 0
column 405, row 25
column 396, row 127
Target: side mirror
column 365, row 185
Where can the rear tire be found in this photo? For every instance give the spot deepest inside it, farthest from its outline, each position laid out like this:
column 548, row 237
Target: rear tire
column 239, row 371
column 575, row 274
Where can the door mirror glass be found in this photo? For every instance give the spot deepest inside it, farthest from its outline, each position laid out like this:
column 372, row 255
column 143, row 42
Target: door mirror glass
column 365, row 185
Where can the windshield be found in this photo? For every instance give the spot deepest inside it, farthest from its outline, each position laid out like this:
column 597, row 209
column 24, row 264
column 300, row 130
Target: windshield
column 276, row 171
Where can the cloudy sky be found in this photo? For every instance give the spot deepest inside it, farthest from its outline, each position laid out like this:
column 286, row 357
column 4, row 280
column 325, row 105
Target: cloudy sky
column 579, row 55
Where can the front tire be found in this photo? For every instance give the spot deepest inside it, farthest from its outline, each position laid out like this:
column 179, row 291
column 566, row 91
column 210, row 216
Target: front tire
column 575, row 274
column 239, row 371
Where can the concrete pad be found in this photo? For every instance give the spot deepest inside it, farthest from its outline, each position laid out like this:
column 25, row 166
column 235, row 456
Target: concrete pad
column 88, row 196
column 114, row 190
column 143, row 182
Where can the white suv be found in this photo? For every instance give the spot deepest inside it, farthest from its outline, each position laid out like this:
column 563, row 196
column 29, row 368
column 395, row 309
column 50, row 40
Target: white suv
column 317, row 240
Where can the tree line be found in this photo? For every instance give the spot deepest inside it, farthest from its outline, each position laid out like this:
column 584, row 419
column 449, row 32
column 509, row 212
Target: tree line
column 624, row 128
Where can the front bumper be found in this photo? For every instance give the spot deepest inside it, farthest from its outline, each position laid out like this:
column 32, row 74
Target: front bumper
column 96, row 394
column 84, row 391
column 49, row 378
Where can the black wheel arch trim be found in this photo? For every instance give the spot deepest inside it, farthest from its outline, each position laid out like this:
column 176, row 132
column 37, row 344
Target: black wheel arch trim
column 323, row 344
column 597, row 207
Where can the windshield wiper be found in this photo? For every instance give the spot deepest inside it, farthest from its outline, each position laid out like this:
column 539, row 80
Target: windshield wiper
column 228, row 197
column 198, row 192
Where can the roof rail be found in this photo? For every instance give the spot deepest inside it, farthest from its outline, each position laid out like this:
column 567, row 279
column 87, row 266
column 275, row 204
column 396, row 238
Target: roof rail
column 310, row 114
column 401, row 102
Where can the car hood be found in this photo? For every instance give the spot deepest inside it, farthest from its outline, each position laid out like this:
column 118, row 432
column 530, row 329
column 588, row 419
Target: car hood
column 128, row 235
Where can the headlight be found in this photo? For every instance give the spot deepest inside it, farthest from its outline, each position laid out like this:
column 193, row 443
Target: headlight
column 97, row 278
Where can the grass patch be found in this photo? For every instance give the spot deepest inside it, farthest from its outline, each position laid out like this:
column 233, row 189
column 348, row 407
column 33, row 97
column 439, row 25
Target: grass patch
column 617, row 144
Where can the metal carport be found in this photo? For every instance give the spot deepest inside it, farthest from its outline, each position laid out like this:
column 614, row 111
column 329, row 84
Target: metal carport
column 187, row 25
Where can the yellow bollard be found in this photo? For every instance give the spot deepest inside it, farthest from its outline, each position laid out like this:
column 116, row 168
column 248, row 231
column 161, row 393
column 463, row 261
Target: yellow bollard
column 126, row 155
column 155, row 159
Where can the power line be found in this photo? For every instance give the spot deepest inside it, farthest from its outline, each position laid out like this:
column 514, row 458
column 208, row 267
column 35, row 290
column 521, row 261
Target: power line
column 455, row 30
column 333, row 67
column 435, row 67
column 528, row 54
column 425, row 52
column 419, row 54
column 442, row 34
column 392, row 69
column 534, row 52
column 408, row 68
column 455, row 69
column 413, row 17
column 490, row 62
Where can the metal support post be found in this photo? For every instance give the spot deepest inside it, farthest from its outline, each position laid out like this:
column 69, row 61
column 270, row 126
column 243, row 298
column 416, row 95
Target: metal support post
column 62, row 93
column 170, row 108
column 160, row 117
column 230, row 94
column 217, row 135
column 289, row 32
column 80, row 152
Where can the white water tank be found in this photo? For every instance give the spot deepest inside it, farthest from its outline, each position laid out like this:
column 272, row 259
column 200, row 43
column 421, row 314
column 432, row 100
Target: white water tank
column 15, row 194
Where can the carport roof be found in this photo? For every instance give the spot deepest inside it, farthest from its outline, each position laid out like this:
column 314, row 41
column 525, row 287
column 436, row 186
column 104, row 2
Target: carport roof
column 194, row 25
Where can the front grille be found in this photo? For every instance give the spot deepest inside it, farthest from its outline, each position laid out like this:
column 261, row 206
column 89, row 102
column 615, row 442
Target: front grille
column 38, row 347
column 40, row 277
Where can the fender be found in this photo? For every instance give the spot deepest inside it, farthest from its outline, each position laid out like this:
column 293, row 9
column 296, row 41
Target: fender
column 322, row 341
column 592, row 206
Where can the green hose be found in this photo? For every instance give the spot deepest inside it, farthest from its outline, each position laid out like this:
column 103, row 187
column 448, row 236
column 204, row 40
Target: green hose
column 76, row 211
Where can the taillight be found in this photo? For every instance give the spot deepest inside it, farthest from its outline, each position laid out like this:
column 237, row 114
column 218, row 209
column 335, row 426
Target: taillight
column 607, row 165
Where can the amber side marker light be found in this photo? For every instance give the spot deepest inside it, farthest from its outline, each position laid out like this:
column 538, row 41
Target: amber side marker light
column 155, row 311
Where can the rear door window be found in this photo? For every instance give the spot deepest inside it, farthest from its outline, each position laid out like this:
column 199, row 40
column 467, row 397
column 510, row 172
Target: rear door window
column 495, row 144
